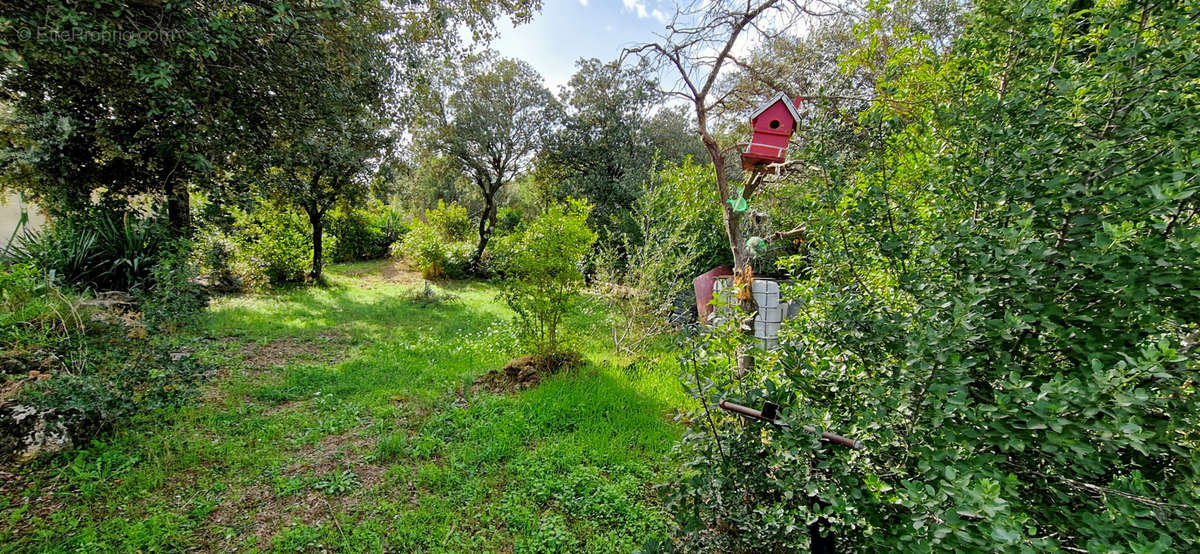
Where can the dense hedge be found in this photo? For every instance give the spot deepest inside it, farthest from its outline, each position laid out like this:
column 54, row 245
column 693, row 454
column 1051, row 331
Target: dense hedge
column 1001, row 300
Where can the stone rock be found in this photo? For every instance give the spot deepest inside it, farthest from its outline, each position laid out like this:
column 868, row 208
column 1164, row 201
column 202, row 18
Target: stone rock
column 12, row 366
column 27, row 432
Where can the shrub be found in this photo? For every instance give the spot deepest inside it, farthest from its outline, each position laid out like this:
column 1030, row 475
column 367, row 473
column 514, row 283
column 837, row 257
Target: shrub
column 439, row 246
column 1000, row 302
column 60, row 250
column 507, row 220
column 98, row 249
column 458, row 260
column 391, row 221
column 541, row 267
column 216, row 259
column 678, row 231
column 427, row 250
column 131, row 246
column 450, row 221
column 355, row 238
column 100, row 371
column 30, row 303
column 363, row 234
column 172, row 297
column 119, row 383
column 273, row 245
column 679, row 236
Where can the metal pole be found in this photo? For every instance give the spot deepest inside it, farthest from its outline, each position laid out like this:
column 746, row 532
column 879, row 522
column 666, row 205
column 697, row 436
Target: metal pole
column 757, row 415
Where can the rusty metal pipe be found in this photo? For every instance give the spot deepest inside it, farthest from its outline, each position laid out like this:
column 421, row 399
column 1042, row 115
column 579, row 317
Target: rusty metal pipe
column 740, row 409
column 757, row 415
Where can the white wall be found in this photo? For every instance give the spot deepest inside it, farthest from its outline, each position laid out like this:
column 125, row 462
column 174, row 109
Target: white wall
column 10, row 216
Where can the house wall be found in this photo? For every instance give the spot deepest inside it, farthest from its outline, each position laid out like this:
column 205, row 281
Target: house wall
column 10, row 216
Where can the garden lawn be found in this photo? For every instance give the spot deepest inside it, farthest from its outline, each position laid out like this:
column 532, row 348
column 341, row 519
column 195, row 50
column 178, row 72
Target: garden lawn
column 343, row 418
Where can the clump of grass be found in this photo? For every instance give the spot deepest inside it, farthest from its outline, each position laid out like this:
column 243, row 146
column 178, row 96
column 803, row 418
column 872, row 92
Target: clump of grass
column 337, row 483
column 429, row 296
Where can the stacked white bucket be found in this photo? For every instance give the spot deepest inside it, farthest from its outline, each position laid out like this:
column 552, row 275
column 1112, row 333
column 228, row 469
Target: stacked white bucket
column 771, row 311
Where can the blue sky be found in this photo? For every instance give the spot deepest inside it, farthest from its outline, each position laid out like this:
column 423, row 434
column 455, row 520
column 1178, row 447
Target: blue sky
column 567, row 30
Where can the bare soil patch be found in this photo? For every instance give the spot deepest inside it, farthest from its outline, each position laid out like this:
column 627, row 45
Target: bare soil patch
column 389, row 272
column 329, row 347
column 259, row 511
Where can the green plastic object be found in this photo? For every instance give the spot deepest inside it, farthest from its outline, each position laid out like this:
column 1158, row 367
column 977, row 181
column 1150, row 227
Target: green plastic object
column 756, row 245
column 738, row 203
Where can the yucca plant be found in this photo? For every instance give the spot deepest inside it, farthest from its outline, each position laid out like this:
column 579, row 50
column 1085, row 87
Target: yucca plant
column 69, row 253
column 103, row 252
column 130, row 248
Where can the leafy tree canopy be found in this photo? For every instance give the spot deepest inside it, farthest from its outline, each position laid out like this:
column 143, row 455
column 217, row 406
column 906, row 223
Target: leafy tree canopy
column 130, row 97
column 491, row 121
column 608, row 142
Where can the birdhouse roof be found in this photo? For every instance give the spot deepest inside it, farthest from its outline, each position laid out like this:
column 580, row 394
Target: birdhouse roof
column 781, row 97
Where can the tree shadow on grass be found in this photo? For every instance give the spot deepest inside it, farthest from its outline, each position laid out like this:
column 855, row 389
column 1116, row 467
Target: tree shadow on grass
column 582, row 447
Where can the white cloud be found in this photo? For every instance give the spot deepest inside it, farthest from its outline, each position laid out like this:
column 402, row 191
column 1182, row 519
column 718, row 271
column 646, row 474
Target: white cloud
column 583, row 3
column 638, row 7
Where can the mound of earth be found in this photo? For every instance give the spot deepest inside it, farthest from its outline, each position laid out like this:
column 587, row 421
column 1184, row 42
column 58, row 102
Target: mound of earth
column 527, row 371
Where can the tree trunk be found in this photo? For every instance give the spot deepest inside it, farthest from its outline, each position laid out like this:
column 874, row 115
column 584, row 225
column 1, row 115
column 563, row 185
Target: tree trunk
column 743, row 276
column 487, row 224
column 315, row 217
column 733, row 228
column 179, row 206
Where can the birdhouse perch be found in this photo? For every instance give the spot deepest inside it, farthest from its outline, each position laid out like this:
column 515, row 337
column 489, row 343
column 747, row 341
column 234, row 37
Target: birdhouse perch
column 773, row 124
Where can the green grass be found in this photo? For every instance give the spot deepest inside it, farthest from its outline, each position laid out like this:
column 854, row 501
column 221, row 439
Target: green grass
column 366, row 436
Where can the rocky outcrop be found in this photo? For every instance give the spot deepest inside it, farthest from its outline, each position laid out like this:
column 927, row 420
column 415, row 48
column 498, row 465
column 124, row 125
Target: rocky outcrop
column 27, row 432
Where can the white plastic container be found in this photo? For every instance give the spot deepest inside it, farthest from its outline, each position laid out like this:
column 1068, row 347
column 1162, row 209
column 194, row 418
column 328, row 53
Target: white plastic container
column 770, row 312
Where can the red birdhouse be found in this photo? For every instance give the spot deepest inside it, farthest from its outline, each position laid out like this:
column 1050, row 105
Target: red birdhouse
column 773, row 124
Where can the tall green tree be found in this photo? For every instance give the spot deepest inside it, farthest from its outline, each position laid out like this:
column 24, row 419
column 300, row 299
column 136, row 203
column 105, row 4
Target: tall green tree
column 118, row 97
column 322, row 153
column 491, row 122
column 323, row 165
column 430, row 178
column 609, row 140
column 128, row 98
